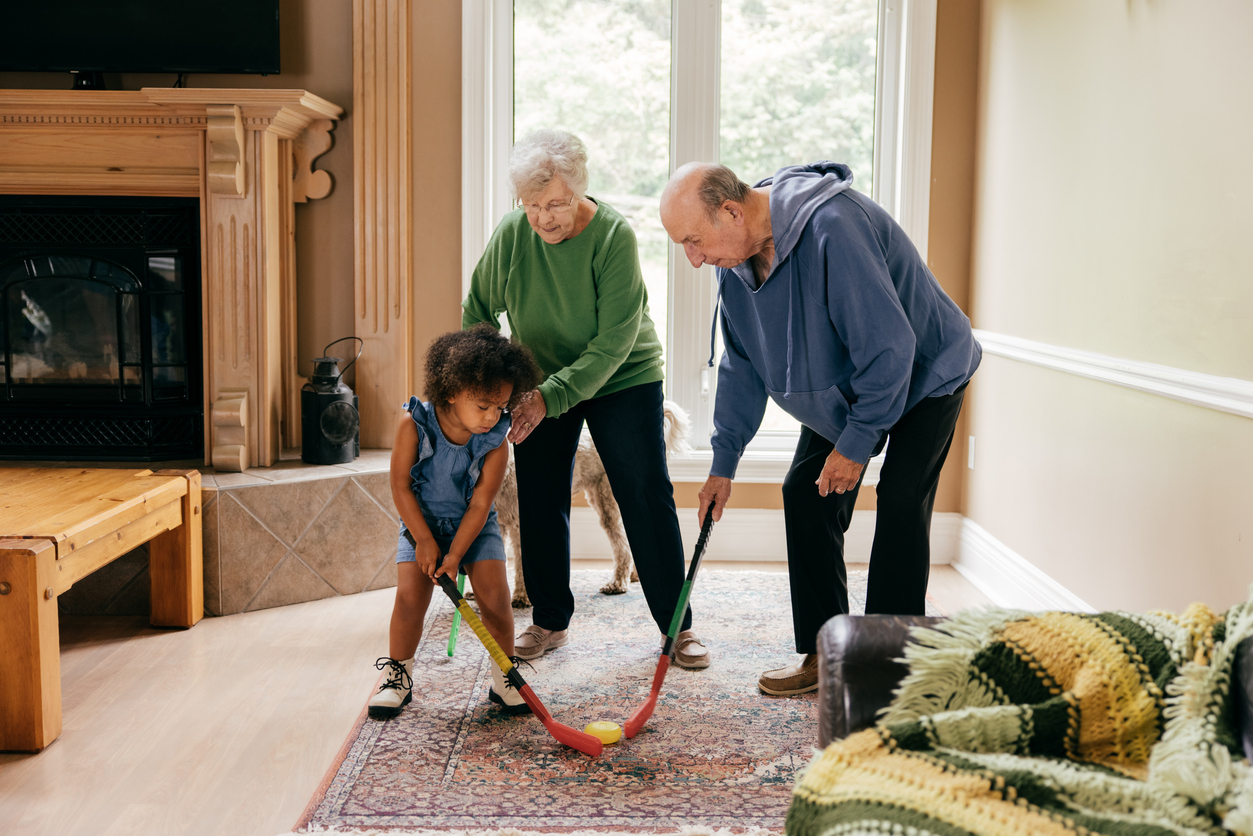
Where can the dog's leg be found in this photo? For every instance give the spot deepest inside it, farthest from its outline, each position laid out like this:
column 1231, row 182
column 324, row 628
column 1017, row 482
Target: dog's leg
column 520, row 599
column 600, row 497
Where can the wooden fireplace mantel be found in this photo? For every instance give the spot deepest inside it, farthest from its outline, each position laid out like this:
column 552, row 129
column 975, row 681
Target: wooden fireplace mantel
column 248, row 155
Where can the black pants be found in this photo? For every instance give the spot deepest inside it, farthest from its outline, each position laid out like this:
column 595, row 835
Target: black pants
column 900, row 558
column 627, row 429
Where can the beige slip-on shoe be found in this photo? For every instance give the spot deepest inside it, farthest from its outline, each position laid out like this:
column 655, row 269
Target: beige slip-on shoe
column 535, row 641
column 800, row 678
column 690, row 652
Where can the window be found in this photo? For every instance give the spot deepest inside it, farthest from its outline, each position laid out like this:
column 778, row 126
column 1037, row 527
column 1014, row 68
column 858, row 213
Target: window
column 652, row 84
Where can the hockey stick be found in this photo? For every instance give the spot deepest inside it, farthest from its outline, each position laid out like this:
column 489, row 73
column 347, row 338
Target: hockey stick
column 641, row 715
column 456, row 616
column 571, row 737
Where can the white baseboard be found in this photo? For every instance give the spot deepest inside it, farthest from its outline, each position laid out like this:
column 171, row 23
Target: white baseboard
column 746, row 534
column 750, row 534
column 1006, row 577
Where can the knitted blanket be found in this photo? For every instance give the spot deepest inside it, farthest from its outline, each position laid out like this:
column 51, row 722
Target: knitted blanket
column 1047, row 723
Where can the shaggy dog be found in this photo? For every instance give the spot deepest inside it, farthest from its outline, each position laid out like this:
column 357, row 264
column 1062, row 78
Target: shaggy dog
column 589, row 477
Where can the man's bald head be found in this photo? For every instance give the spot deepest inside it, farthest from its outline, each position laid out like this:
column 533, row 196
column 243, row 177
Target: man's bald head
column 717, row 218
column 711, row 184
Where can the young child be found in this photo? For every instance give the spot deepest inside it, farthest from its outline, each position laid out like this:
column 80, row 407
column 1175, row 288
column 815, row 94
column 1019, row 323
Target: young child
column 448, row 462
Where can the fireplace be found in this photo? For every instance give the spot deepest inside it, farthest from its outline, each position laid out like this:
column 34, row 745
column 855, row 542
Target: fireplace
column 245, row 158
column 100, row 340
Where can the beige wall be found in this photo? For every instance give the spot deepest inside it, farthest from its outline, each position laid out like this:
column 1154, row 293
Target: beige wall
column 1112, row 215
column 315, row 55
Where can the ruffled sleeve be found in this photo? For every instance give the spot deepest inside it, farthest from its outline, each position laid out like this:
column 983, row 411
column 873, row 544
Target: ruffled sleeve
column 480, row 446
column 421, row 419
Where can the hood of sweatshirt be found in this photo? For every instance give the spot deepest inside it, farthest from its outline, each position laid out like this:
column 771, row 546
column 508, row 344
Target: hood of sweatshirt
column 795, row 194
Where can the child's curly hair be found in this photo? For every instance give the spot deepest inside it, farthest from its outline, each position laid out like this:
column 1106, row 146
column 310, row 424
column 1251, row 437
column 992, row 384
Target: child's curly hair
column 478, row 360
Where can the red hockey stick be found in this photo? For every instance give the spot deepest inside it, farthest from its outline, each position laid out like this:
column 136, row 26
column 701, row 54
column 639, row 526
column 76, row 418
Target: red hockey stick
column 571, row 737
column 641, row 715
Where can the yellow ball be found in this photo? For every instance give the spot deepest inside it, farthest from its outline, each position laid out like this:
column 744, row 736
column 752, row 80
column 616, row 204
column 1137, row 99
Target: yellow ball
column 604, row 731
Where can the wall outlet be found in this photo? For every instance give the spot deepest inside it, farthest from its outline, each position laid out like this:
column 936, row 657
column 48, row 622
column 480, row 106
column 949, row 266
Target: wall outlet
column 970, row 453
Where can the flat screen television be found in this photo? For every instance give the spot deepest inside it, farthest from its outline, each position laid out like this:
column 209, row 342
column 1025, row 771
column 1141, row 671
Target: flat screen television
column 139, row 36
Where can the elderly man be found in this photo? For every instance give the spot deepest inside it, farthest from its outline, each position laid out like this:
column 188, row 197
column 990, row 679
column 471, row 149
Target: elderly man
column 828, row 309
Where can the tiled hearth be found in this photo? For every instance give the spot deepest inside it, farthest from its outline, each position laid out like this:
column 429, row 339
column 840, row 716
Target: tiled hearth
column 274, row 535
column 295, row 532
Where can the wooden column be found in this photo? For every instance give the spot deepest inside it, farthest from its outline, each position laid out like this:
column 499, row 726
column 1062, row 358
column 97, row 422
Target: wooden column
column 383, row 274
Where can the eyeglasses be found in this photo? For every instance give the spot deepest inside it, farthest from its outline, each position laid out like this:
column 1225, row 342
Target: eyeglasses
column 557, row 207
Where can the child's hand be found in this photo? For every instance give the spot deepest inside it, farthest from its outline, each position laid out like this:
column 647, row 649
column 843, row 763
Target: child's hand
column 449, row 567
column 426, row 552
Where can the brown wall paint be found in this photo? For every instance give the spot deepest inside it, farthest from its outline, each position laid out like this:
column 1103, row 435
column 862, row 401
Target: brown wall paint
column 436, row 213
column 953, row 130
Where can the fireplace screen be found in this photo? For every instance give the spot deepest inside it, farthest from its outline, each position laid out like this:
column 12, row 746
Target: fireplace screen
column 100, row 347
column 73, row 321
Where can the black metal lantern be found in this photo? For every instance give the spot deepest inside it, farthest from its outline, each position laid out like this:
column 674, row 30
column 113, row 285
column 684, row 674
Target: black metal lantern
column 330, row 424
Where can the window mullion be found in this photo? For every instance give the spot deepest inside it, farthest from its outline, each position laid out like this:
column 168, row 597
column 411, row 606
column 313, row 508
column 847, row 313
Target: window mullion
column 904, row 84
column 695, row 40
column 486, row 124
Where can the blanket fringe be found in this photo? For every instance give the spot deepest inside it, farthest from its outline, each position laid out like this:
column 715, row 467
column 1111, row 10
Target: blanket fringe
column 939, row 663
column 1188, row 759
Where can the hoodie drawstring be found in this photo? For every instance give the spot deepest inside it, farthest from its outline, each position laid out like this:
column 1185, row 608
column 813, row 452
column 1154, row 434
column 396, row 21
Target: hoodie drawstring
column 713, row 326
column 791, row 304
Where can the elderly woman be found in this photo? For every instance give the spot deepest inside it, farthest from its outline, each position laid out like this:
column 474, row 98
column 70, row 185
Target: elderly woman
column 565, row 269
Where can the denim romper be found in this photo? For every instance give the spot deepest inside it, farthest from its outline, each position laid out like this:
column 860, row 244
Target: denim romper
column 443, row 480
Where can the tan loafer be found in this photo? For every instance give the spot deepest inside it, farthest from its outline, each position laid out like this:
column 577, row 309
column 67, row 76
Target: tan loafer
column 690, row 652
column 800, row 678
column 535, row 641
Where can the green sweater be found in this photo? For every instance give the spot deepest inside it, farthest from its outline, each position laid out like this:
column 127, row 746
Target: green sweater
column 580, row 306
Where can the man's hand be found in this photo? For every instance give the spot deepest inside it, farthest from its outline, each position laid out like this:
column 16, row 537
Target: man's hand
column 839, row 474
column 717, row 490
column 530, row 410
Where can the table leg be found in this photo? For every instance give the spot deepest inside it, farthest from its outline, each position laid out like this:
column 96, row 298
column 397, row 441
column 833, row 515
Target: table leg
column 176, row 563
column 30, row 647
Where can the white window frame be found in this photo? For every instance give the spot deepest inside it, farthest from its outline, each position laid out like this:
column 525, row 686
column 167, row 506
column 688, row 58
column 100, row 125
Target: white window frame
column 904, row 82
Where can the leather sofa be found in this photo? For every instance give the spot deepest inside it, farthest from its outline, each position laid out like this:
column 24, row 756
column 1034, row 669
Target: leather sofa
column 857, row 672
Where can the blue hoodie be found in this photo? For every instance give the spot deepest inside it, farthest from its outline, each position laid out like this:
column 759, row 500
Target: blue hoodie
column 849, row 331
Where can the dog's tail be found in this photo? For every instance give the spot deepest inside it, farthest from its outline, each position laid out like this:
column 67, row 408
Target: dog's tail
column 677, row 426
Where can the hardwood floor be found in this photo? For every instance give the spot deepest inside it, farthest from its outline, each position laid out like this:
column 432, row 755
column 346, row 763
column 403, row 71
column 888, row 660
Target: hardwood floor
column 222, row 730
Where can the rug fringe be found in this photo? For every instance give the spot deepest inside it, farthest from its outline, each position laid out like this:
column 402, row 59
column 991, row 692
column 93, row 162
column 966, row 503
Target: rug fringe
column 686, row 830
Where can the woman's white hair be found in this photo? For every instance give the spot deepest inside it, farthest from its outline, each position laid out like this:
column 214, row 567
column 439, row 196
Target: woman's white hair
column 543, row 156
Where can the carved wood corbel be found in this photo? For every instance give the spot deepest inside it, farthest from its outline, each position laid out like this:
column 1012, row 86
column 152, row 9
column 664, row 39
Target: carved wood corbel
column 225, row 136
column 313, row 142
column 230, row 430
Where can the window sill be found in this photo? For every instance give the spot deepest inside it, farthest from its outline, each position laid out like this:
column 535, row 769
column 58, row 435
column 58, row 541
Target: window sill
column 764, row 466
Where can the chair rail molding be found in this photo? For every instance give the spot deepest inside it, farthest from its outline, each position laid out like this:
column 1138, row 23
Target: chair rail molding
column 1226, row 394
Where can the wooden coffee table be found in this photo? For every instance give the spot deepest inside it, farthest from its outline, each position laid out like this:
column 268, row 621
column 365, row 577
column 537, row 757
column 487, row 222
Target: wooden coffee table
column 58, row 525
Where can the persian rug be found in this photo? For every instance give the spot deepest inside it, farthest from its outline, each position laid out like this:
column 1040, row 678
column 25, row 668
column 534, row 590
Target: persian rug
column 716, row 754
column 1048, row 723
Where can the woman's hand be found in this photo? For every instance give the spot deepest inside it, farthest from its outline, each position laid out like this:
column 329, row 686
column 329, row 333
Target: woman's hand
column 839, row 474
column 530, row 410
